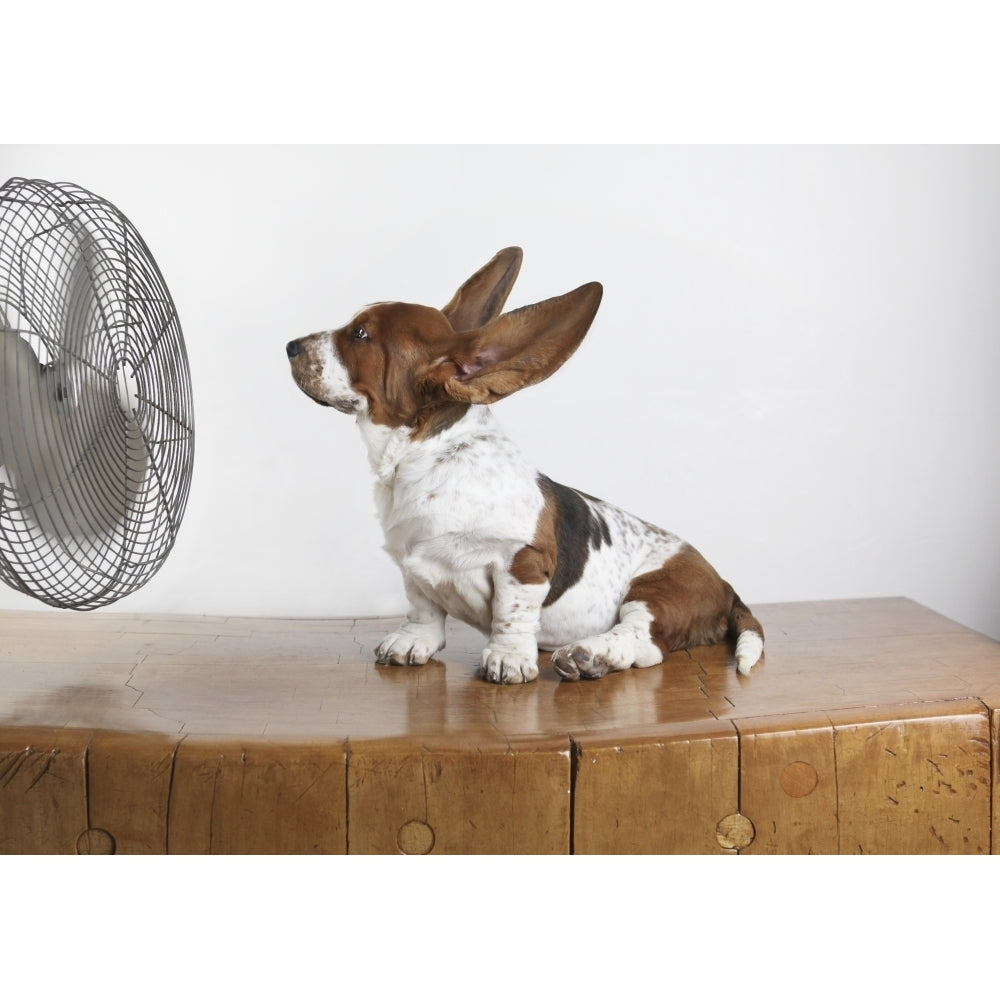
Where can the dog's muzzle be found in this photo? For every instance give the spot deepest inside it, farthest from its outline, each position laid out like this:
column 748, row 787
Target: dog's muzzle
column 340, row 398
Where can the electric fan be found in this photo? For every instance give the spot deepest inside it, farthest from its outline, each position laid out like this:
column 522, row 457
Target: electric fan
column 96, row 416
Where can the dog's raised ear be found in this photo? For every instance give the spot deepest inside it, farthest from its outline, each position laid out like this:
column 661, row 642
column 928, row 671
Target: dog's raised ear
column 482, row 297
column 517, row 349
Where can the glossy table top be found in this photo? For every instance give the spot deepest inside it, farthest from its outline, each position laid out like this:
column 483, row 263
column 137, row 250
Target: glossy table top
column 316, row 680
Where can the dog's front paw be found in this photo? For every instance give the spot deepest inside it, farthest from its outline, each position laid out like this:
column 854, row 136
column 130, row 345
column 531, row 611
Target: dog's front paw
column 408, row 645
column 510, row 662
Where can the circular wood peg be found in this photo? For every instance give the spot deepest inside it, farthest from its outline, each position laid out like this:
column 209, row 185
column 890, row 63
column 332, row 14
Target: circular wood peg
column 95, row 841
column 415, row 837
column 799, row 779
column 734, row 832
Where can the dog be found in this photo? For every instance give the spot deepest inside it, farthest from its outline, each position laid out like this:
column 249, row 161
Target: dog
column 477, row 532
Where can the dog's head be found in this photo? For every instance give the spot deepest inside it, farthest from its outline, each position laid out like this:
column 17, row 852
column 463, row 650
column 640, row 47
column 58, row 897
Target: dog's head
column 407, row 365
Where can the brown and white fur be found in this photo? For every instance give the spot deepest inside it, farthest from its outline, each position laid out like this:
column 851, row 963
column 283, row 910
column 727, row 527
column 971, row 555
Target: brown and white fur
column 477, row 532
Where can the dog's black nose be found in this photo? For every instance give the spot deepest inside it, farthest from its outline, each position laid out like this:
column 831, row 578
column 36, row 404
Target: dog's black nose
column 293, row 348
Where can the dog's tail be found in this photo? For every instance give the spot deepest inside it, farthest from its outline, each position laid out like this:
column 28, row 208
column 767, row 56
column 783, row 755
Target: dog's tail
column 748, row 633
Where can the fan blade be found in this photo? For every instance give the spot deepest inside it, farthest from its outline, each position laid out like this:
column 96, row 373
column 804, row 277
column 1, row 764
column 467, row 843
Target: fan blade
column 68, row 429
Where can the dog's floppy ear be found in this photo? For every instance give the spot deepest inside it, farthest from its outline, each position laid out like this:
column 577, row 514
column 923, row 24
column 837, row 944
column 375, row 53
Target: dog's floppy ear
column 482, row 297
column 519, row 348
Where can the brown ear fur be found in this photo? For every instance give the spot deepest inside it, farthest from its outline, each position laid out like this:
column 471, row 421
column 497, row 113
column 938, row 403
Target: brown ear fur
column 482, row 297
column 519, row 348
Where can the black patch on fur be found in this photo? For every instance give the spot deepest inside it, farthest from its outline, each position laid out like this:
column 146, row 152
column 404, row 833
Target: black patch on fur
column 578, row 529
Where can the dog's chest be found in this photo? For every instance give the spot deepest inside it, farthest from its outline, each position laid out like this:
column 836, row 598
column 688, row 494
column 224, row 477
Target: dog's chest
column 462, row 500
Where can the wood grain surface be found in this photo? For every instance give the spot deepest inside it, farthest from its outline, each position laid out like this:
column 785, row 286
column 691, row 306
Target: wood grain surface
column 870, row 726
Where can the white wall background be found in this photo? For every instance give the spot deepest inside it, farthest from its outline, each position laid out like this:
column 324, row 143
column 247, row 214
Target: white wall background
column 795, row 365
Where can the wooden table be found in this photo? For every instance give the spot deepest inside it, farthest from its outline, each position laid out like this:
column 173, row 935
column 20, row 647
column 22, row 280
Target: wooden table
column 870, row 726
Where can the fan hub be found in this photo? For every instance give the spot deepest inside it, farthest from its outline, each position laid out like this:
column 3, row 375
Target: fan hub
column 128, row 390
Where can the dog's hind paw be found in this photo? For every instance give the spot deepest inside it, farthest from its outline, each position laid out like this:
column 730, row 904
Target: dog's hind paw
column 405, row 648
column 586, row 658
column 598, row 655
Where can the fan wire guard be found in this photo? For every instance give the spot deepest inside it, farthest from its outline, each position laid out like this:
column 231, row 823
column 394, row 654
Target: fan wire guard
column 96, row 414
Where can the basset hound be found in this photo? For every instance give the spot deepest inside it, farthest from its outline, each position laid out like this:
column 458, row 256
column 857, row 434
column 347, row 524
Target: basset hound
column 477, row 532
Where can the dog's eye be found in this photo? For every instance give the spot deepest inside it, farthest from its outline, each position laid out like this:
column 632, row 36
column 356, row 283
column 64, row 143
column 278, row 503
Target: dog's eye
column 359, row 333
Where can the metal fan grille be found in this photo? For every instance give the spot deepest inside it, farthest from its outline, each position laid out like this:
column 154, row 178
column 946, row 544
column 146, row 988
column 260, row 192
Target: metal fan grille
column 96, row 414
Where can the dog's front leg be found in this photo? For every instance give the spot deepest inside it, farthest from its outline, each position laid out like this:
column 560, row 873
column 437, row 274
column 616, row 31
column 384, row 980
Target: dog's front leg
column 419, row 637
column 511, row 657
